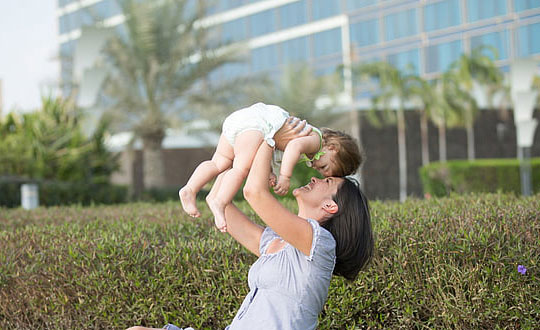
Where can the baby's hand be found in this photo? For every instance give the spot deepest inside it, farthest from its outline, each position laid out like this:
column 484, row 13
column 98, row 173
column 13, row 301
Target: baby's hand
column 282, row 187
column 272, row 179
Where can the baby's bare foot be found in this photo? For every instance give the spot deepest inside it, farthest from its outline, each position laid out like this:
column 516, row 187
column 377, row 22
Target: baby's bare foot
column 188, row 199
column 219, row 214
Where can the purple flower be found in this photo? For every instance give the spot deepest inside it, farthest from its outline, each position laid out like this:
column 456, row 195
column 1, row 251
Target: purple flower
column 522, row 269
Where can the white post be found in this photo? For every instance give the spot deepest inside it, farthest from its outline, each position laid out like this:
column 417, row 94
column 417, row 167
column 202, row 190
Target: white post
column 524, row 99
column 29, row 196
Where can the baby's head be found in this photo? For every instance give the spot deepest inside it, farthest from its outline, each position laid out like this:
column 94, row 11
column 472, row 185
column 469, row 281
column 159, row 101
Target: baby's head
column 341, row 156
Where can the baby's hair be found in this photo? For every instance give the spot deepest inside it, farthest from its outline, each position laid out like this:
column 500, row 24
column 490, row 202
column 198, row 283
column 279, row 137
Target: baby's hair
column 348, row 157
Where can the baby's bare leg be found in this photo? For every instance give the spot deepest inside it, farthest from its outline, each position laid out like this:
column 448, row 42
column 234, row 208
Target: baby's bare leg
column 206, row 171
column 245, row 148
column 214, row 192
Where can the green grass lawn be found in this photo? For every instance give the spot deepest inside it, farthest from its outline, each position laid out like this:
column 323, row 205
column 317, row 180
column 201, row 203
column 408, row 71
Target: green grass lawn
column 446, row 263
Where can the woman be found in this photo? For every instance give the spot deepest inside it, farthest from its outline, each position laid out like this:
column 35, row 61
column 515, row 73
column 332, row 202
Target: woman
column 297, row 253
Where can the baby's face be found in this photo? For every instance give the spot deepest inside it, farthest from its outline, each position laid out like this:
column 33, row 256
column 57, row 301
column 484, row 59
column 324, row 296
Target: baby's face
column 325, row 165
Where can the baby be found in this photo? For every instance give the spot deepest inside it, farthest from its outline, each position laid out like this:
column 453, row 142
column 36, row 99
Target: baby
column 331, row 153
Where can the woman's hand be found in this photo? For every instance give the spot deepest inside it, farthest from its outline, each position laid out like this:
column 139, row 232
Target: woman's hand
column 292, row 128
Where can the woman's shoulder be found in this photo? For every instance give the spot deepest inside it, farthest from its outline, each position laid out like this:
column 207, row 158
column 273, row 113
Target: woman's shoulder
column 323, row 243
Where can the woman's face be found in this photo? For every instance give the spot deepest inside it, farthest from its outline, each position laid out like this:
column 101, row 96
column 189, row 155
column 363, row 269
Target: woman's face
column 318, row 190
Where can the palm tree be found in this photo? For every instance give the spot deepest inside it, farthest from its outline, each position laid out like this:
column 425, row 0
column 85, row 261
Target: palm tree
column 163, row 58
column 397, row 86
column 299, row 91
column 460, row 80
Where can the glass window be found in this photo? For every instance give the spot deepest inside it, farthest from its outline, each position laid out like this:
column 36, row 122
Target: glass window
column 262, row 23
column 477, row 9
column 441, row 15
column 64, row 24
column 521, row 5
column 234, row 70
column 497, row 40
column 105, row 9
column 295, row 50
column 354, row 4
column 62, row 3
column 529, row 42
column 327, row 42
column 406, row 61
column 233, row 31
column 230, row 4
column 401, row 24
column 440, row 57
column 264, row 58
column 292, row 14
column 365, row 33
column 66, row 50
column 324, row 8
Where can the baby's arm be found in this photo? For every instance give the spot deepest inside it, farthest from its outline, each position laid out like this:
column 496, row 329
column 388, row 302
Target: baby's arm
column 303, row 145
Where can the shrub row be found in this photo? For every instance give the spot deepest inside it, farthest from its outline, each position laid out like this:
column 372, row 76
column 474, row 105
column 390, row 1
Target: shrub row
column 64, row 193
column 446, row 263
column 482, row 175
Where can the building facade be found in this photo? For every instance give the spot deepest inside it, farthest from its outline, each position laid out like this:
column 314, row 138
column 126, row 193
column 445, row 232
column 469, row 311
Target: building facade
column 423, row 35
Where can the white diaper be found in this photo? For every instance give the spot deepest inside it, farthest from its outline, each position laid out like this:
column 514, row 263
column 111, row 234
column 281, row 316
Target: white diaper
column 265, row 118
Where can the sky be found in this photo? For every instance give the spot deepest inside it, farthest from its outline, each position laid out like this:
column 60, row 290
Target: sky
column 29, row 66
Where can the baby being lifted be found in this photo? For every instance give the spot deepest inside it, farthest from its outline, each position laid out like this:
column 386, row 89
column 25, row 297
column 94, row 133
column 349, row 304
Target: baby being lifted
column 330, row 152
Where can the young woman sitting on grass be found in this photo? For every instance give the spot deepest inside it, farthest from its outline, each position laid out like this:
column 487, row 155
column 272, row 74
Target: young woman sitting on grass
column 331, row 234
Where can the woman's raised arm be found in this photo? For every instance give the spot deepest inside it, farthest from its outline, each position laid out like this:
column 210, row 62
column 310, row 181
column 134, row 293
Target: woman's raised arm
column 290, row 227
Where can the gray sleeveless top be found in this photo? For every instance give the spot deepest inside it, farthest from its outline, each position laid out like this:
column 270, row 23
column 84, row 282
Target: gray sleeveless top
column 288, row 289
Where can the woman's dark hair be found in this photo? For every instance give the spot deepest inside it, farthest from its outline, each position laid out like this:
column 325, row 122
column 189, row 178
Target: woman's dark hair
column 351, row 228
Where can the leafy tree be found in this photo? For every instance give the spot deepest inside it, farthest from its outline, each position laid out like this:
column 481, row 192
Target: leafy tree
column 395, row 86
column 479, row 68
column 302, row 93
column 49, row 144
column 165, row 56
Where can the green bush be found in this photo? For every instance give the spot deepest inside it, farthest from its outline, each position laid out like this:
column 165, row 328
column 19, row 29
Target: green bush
column 482, row 175
column 446, row 263
column 63, row 193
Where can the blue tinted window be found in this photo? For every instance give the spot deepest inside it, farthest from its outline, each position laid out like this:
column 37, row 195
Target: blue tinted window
column 327, row 42
column 354, row 4
column 440, row 57
column 295, row 50
column 64, row 24
column 521, row 5
column 529, row 42
column 230, row 4
column 264, row 58
column 292, row 14
column 477, row 9
column 406, row 61
column 233, row 70
column 62, row 3
column 497, row 40
column 441, row 14
column 234, row 30
column 67, row 49
column 365, row 33
column 401, row 24
column 262, row 23
column 324, row 8
column 105, row 9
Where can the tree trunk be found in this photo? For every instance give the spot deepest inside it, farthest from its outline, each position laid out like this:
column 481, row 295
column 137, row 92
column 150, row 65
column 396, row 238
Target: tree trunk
column 424, row 137
column 471, row 153
column 153, row 164
column 442, row 142
column 402, row 153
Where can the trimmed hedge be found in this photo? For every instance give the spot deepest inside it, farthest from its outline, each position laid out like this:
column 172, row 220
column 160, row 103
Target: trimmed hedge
column 482, row 175
column 53, row 193
column 445, row 263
